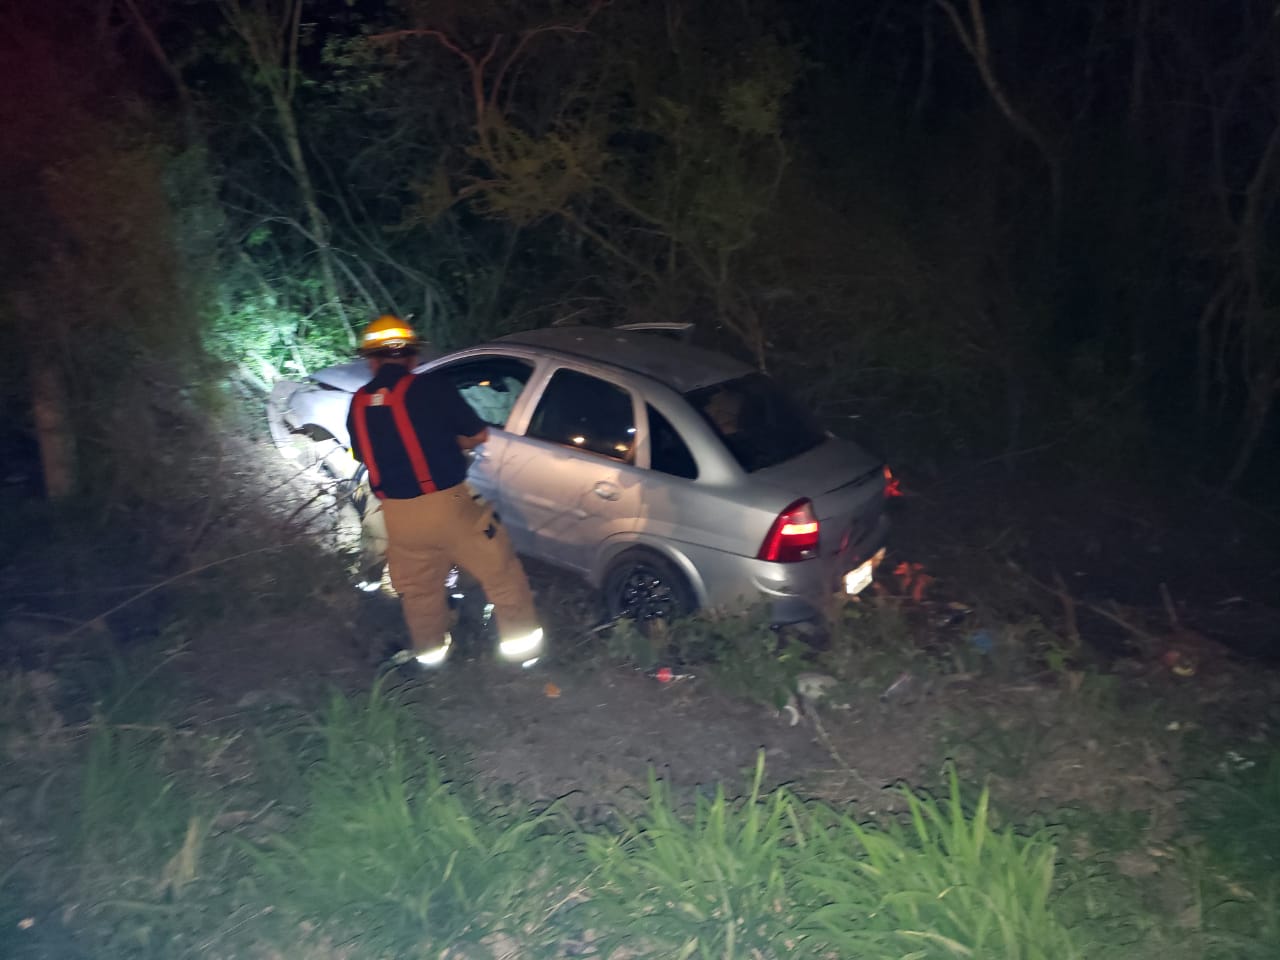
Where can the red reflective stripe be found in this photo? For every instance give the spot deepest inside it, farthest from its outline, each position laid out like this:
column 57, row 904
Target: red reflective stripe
column 409, row 436
column 362, row 403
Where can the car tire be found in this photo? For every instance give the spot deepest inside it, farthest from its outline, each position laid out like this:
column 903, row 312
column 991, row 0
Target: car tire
column 643, row 586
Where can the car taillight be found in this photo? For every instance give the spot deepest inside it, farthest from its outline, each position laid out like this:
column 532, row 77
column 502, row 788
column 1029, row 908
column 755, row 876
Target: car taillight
column 892, row 485
column 793, row 536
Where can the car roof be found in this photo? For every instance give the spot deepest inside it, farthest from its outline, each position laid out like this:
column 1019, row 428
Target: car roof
column 678, row 365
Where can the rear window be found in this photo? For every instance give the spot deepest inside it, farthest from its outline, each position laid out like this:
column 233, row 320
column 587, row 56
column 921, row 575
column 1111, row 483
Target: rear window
column 757, row 421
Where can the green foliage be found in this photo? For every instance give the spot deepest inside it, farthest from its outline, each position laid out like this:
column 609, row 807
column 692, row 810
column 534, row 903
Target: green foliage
column 388, row 855
column 132, row 805
column 266, row 336
column 386, row 844
column 1238, row 814
column 871, row 643
column 768, row 875
column 944, row 884
column 132, row 808
column 713, row 882
column 1238, row 923
column 741, row 652
column 756, row 661
column 1114, row 916
column 134, row 687
column 538, row 176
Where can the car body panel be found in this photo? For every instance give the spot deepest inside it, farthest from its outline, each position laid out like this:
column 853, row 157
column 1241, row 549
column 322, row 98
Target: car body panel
column 579, row 510
column 563, row 504
column 846, row 486
column 318, row 405
column 484, row 471
column 348, row 377
column 682, row 367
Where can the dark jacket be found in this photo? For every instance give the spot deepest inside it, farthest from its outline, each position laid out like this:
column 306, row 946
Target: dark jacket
column 439, row 416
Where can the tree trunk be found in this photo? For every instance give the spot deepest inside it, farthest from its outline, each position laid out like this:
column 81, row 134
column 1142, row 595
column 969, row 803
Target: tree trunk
column 51, row 414
column 1138, row 69
column 316, row 219
column 1257, row 415
column 973, row 36
column 271, row 38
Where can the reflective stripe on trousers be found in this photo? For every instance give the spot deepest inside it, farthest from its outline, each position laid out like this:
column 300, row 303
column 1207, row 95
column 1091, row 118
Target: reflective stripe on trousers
column 429, row 534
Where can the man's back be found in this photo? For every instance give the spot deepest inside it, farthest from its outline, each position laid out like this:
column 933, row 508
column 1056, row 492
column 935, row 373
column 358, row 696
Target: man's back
column 438, row 416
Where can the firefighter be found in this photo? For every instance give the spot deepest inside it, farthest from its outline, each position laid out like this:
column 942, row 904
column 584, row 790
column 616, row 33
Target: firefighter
column 410, row 431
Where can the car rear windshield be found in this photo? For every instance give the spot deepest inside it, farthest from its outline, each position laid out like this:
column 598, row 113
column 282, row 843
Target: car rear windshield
column 759, row 423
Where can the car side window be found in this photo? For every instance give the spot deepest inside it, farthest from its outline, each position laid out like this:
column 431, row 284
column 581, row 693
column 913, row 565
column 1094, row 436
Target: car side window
column 668, row 453
column 490, row 385
column 586, row 413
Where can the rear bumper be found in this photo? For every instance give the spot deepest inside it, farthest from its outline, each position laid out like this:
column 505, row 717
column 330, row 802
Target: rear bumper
column 794, row 592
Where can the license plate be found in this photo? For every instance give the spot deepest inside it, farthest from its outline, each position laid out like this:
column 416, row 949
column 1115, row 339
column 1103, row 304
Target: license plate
column 858, row 579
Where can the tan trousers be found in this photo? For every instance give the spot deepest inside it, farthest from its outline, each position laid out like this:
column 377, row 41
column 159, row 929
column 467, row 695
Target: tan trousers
column 429, row 534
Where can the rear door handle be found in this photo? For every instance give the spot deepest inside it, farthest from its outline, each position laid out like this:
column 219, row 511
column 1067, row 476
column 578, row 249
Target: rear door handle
column 606, row 491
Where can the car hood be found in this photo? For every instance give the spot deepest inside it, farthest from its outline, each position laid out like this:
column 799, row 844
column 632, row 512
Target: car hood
column 349, row 376
column 354, row 374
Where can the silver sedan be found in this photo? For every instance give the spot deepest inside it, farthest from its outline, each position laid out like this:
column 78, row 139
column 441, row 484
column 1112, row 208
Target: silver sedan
column 668, row 477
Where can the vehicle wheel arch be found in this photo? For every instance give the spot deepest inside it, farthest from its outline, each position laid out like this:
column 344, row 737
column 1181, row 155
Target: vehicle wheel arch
column 616, row 548
column 315, row 432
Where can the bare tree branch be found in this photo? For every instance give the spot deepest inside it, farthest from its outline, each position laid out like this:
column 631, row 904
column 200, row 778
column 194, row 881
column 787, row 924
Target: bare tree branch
column 973, row 36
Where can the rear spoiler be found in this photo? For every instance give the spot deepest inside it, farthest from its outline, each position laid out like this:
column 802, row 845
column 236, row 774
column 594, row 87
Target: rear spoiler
column 679, row 331
column 674, row 329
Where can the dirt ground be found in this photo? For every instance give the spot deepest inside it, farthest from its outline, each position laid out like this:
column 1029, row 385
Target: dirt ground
column 1114, row 736
column 588, row 730
column 580, row 726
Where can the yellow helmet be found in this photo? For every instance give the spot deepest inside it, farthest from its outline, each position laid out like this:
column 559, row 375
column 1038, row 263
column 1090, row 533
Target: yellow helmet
column 389, row 336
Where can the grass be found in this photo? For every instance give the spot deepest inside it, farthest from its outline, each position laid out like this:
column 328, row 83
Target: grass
column 1235, row 816
column 716, row 881
column 131, row 806
column 353, row 833
column 943, row 884
column 769, row 875
column 388, row 845
column 1237, row 812
column 383, row 852
column 740, row 652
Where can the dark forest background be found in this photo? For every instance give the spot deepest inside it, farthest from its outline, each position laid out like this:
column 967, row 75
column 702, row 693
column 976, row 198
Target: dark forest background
column 987, row 229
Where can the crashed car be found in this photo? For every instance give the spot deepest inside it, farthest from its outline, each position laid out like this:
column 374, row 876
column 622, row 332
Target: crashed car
column 669, row 477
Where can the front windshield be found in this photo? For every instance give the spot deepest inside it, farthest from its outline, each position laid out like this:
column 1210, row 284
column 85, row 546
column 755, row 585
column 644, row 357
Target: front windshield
column 757, row 421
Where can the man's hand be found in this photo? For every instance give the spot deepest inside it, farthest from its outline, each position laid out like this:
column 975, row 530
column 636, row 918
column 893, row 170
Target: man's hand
column 473, row 441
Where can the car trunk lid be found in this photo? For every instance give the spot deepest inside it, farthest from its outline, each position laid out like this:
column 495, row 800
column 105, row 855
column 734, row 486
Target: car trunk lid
column 845, row 483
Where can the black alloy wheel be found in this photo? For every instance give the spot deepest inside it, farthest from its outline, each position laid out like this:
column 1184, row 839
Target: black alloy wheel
column 644, row 587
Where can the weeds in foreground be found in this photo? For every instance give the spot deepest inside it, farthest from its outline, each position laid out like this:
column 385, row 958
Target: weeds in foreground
column 149, row 876
column 130, row 804
column 1241, row 925
column 713, row 882
column 389, row 847
column 381, row 854
column 1238, row 815
column 387, row 856
column 1235, row 819
column 945, row 883
column 770, row 875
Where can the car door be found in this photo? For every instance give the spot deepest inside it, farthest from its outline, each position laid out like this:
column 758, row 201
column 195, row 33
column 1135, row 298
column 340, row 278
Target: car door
column 491, row 384
column 568, row 482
